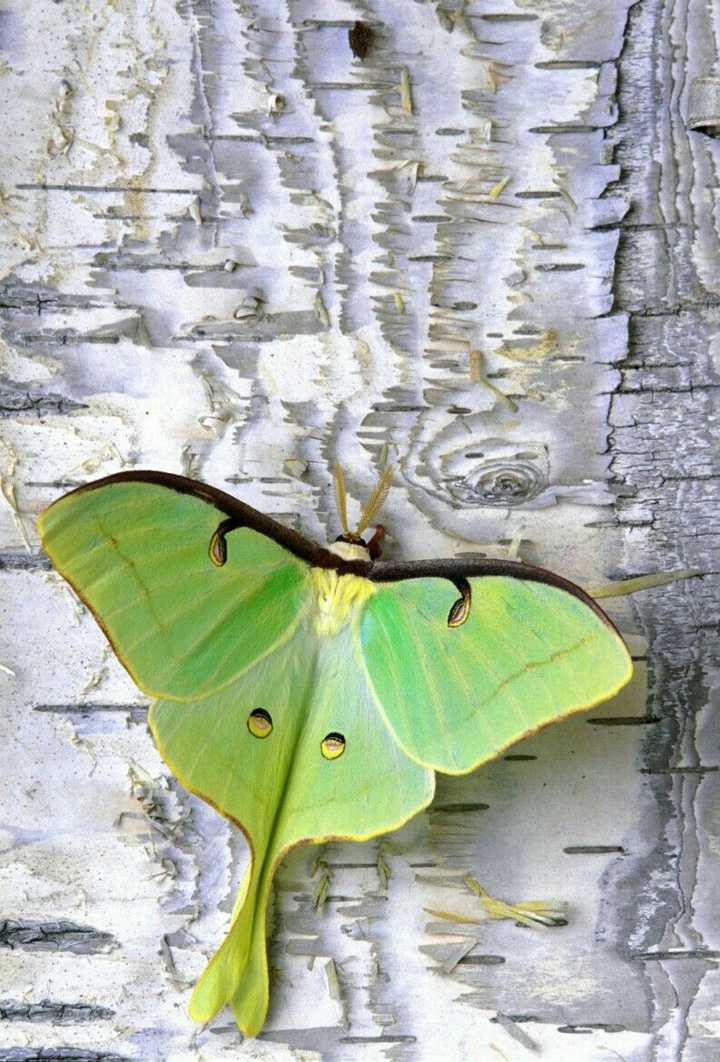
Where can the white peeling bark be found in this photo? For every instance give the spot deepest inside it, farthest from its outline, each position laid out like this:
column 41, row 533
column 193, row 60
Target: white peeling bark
column 234, row 250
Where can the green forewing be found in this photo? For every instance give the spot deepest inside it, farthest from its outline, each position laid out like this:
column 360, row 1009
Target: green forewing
column 281, row 788
column 137, row 553
column 454, row 697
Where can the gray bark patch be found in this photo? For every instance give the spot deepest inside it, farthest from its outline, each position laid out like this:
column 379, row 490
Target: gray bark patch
column 54, row 936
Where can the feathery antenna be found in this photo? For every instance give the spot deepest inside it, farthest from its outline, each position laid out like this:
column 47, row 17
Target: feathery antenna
column 341, row 498
column 376, row 500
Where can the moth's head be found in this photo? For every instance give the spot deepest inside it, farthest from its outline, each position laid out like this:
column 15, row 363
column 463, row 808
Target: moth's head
column 352, row 539
column 350, row 545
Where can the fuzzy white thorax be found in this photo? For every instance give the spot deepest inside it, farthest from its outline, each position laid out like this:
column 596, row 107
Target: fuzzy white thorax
column 350, row 551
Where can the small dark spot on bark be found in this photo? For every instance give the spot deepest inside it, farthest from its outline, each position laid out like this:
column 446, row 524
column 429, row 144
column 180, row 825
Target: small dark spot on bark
column 481, row 960
column 360, row 39
column 458, row 809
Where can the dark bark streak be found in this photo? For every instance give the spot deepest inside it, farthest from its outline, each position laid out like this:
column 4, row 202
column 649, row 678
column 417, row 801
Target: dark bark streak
column 52, row 1012
column 54, row 936
column 58, row 1054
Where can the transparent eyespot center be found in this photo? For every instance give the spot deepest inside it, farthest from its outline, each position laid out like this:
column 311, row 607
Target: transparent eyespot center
column 332, row 746
column 260, row 723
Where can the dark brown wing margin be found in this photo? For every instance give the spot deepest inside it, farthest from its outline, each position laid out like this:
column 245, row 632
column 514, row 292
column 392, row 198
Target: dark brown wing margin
column 241, row 514
column 456, row 569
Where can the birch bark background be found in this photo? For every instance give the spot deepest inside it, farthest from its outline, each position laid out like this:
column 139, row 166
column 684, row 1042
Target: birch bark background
column 488, row 250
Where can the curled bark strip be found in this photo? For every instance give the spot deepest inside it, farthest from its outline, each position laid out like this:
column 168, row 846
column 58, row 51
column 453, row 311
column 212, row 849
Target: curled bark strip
column 704, row 105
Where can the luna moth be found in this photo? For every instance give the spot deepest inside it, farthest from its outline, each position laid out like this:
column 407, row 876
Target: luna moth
column 309, row 693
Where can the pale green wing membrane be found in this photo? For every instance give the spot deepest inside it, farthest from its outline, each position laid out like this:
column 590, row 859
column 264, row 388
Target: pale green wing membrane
column 294, row 751
column 137, row 553
column 527, row 654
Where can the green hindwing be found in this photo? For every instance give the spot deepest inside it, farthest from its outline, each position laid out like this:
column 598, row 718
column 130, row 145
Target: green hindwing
column 322, row 766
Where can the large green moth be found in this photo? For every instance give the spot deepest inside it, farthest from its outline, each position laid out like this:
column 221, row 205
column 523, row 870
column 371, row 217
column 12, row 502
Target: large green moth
column 309, row 693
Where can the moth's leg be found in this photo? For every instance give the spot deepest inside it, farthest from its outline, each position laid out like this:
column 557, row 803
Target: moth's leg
column 461, row 609
column 374, row 545
column 218, row 547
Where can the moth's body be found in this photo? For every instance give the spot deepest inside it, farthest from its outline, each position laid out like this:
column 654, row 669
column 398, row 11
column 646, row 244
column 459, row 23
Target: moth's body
column 339, row 596
column 310, row 693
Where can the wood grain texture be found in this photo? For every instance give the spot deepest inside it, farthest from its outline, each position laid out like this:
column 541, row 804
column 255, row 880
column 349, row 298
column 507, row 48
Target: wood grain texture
column 489, row 249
